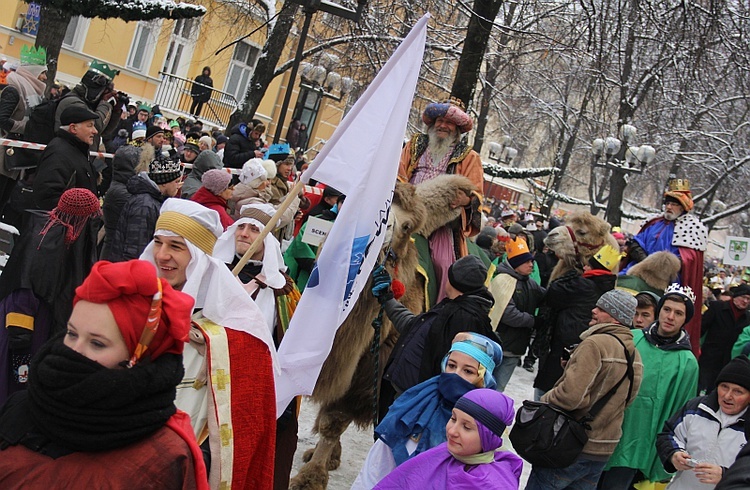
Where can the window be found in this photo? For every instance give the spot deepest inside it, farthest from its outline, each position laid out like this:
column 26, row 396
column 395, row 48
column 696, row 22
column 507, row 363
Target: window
column 308, row 105
column 241, row 69
column 76, row 32
column 181, row 47
column 144, row 44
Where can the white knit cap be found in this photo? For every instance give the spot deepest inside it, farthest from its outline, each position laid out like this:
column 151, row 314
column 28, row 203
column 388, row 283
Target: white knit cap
column 251, row 170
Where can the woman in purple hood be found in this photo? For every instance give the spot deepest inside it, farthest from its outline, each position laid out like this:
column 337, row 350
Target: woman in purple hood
column 471, row 458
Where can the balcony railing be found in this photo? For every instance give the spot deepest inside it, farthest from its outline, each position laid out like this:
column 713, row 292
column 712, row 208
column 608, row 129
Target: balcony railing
column 173, row 94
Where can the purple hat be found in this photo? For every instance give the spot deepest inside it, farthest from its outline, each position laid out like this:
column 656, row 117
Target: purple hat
column 493, row 412
column 216, row 181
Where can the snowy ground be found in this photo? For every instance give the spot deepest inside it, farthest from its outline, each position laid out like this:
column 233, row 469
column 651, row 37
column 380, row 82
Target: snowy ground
column 356, row 444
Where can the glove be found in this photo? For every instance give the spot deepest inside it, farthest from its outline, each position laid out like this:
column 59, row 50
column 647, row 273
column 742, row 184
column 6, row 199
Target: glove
column 381, row 284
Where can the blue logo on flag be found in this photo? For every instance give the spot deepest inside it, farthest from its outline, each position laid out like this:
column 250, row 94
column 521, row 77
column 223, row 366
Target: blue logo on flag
column 355, row 262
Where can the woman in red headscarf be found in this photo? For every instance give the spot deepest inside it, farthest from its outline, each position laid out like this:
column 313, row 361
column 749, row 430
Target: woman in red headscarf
column 99, row 409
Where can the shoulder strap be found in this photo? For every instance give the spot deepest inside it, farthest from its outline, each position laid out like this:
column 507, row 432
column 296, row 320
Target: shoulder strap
column 629, row 374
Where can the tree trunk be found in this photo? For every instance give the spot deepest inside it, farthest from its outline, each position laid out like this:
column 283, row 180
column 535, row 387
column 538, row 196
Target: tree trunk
column 484, row 104
column 51, row 33
column 490, row 77
column 264, row 70
column 475, row 44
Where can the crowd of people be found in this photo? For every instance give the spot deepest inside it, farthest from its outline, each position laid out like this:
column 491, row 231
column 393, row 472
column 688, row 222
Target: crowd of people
column 145, row 330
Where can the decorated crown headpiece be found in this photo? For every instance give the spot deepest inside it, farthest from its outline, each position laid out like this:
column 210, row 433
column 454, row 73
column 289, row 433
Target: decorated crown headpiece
column 456, row 102
column 193, row 141
column 685, row 291
column 104, row 69
column 33, row 56
column 608, row 256
column 679, row 185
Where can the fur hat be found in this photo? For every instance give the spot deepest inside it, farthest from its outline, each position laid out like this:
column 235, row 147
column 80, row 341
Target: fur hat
column 163, row 170
column 619, row 304
column 518, row 252
column 216, row 180
column 737, row 371
column 451, row 110
column 467, row 273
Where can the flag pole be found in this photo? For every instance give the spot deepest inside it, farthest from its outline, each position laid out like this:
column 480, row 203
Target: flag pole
column 269, row 227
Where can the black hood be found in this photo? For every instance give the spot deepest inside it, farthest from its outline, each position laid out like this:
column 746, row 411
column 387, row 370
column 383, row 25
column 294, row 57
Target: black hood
column 124, row 163
column 140, row 185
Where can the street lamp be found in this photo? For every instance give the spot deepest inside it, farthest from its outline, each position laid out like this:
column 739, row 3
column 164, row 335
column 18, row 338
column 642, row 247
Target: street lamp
column 617, row 155
column 309, row 7
column 322, row 78
column 501, row 152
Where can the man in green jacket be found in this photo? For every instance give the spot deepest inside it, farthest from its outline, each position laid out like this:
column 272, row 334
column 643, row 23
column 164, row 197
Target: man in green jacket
column 670, row 379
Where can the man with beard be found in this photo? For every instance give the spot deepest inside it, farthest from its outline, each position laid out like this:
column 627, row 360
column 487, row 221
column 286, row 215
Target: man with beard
column 442, row 151
column 681, row 233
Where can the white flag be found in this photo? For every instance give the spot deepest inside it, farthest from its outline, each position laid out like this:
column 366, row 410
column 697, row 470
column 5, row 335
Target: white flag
column 360, row 160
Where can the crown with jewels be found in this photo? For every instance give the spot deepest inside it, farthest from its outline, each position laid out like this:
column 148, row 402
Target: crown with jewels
column 33, row 56
column 679, row 185
column 685, row 291
column 104, row 69
column 193, row 141
column 456, row 102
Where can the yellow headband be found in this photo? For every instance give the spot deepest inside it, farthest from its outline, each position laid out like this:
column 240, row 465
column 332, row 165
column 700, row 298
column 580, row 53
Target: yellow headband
column 188, row 228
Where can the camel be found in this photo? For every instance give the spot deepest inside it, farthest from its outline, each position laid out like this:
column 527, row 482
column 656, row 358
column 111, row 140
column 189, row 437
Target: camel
column 344, row 390
column 576, row 242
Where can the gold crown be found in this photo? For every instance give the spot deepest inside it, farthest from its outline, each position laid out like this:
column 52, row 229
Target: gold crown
column 456, row 102
column 608, row 257
column 193, row 141
column 685, row 291
column 679, row 185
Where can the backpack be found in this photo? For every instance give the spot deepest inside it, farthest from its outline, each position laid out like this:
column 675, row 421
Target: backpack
column 40, row 128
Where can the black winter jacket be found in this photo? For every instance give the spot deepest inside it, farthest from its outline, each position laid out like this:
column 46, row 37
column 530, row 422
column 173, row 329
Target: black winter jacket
column 8, row 103
column 721, row 332
column 737, row 477
column 239, row 149
column 517, row 323
column 425, row 339
column 137, row 222
column 570, row 299
column 64, row 164
column 123, row 165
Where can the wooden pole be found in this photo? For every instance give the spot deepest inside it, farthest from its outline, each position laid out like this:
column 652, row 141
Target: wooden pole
column 269, row 227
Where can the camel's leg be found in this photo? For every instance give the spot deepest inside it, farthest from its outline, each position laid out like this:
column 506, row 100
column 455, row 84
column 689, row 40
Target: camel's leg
column 327, row 453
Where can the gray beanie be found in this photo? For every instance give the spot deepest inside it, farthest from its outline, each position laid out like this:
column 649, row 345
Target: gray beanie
column 619, row 304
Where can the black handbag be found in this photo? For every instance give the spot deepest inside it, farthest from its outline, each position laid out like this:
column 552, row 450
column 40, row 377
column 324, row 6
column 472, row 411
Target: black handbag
column 550, row 437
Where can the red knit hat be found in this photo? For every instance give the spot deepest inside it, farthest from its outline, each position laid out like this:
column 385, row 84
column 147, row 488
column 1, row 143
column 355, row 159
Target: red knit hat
column 128, row 289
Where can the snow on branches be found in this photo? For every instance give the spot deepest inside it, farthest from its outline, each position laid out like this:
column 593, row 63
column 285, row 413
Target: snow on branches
column 128, row 10
column 495, row 170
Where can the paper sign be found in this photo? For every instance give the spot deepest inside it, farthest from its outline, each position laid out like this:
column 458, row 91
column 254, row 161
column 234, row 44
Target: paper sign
column 316, row 231
column 736, row 251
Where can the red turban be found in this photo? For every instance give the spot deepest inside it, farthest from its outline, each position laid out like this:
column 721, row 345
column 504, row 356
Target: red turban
column 128, row 288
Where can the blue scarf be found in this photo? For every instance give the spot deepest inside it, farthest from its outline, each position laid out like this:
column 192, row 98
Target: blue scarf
column 421, row 412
